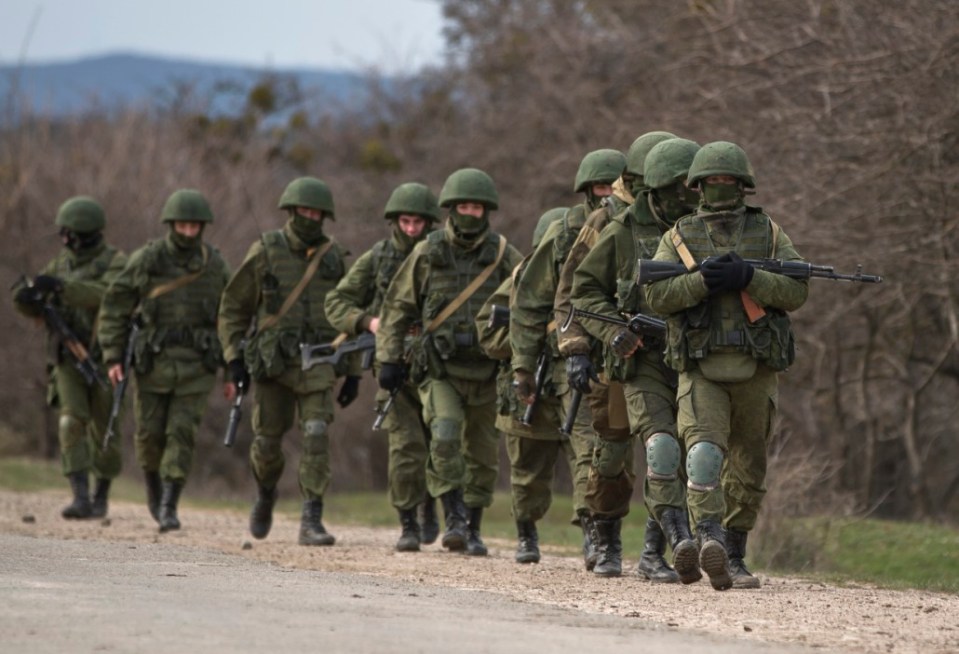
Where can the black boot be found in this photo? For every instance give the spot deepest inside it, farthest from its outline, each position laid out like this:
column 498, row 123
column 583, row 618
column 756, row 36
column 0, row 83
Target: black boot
column 652, row 565
column 312, row 531
column 474, row 544
column 527, row 550
column 80, row 507
column 712, row 554
column 410, row 537
column 168, row 504
column 454, row 538
column 590, row 554
column 610, row 548
column 736, row 550
column 154, row 490
column 98, row 508
column 429, row 525
column 261, row 517
column 675, row 525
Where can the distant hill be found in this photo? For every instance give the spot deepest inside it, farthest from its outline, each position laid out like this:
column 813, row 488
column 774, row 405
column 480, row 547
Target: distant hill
column 121, row 80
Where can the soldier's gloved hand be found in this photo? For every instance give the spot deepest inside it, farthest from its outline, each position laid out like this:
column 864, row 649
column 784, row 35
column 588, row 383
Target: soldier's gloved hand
column 579, row 371
column 48, row 284
column 348, row 391
column 392, row 376
column 239, row 374
column 625, row 343
column 730, row 272
column 713, row 271
column 524, row 384
column 28, row 296
column 738, row 272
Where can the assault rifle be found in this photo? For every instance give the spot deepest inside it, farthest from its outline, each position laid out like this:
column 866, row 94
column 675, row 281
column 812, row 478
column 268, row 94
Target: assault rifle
column 638, row 324
column 55, row 323
column 332, row 353
column 654, row 271
column 121, row 388
column 542, row 367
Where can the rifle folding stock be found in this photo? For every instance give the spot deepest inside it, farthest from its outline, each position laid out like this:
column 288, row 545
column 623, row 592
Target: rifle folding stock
column 331, row 353
column 638, row 324
column 542, row 368
column 653, row 271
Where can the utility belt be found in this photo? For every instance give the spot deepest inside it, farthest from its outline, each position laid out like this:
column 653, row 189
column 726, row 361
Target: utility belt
column 182, row 337
column 202, row 340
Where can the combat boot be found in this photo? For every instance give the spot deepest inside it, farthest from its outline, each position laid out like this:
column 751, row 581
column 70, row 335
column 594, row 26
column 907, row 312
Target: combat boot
column 736, row 549
column 474, row 544
column 80, row 507
column 590, row 554
column 652, row 565
column 712, row 554
column 154, row 490
column 312, row 531
column 410, row 537
column 609, row 546
column 454, row 538
column 429, row 525
column 675, row 525
column 168, row 504
column 99, row 505
column 527, row 549
column 261, row 517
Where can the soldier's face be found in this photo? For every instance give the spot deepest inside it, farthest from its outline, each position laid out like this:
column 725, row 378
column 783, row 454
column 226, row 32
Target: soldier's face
column 312, row 214
column 411, row 225
column 720, row 179
column 187, row 228
column 474, row 209
column 602, row 190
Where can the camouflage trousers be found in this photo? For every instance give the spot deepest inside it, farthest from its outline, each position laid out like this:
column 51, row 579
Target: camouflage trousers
column 738, row 417
column 166, row 430
column 84, row 412
column 464, row 441
column 408, row 448
column 609, row 486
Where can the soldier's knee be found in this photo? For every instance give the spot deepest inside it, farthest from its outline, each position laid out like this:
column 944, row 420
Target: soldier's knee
column 267, row 448
column 71, row 425
column 315, row 437
column 704, row 463
column 446, row 436
column 609, row 457
column 662, row 457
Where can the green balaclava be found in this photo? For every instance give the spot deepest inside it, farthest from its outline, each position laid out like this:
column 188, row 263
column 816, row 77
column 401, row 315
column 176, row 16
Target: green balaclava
column 311, row 193
column 722, row 158
column 665, row 169
column 186, row 205
column 307, row 230
column 722, row 197
column 81, row 220
column 469, row 185
column 412, row 199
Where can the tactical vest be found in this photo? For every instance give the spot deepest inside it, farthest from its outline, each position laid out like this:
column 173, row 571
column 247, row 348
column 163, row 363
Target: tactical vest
column 184, row 317
column 280, row 270
column 81, row 319
column 452, row 270
column 387, row 259
column 573, row 221
column 719, row 324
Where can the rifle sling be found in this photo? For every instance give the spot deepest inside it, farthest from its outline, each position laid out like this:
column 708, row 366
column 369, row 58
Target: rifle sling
column 181, row 281
column 291, row 299
column 467, row 292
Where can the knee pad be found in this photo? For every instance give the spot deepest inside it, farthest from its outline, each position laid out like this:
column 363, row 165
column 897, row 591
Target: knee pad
column 315, row 439
column 662, row 457
column 609, row 457
column 704, row 463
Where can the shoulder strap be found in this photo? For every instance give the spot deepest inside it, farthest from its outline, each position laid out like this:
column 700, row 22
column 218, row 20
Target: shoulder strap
column 775, row 228
column 474, row 286
column 294, row 295
column 682, row 250
column 182, row 280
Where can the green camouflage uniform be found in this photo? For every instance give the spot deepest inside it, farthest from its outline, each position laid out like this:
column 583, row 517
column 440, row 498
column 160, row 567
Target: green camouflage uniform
column 349, row 307
column 272, row 268
column 177, row 353
column 84, row 410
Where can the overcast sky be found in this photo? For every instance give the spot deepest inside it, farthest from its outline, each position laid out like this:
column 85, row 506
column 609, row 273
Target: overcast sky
column 393, row 35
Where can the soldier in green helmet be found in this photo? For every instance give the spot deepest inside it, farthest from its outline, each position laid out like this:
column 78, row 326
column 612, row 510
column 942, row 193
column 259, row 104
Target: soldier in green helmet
column 534, row 447
column 354, row 307
column 441, row 286
column 604, row 283
column 605, row 410
column 277, row 295
column 172, row 286
column 729, row 336
column 73, row 283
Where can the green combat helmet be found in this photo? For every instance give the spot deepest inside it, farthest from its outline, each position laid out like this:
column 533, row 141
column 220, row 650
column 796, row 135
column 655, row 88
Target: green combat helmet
column 412, row 198
column 545, row 221
column 668, row 162
column 81, row 214
column 599, row 167
column 721, row 158
column 469, row 185
column 186, row 205
column 636, row 155
column 308, row 192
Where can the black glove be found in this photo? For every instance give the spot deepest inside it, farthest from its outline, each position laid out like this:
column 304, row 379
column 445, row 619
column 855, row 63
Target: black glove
column 730, row 272
column 48, row 284
column 624, row 343
column 29, row 296
column 348, row 391
column 239, row 374
column 392, row 376
column 579, row 370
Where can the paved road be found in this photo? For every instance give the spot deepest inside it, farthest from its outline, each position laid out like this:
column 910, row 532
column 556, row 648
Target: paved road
column 86, row 596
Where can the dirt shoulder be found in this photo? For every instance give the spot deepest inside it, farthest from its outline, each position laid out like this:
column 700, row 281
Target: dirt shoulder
column 796, row 611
